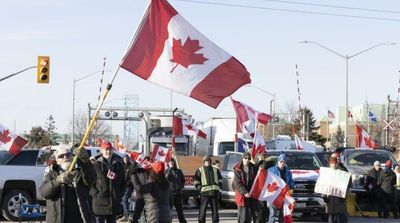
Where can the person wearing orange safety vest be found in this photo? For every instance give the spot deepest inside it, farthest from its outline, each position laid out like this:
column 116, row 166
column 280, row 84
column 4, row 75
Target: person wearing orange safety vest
column 208, row 181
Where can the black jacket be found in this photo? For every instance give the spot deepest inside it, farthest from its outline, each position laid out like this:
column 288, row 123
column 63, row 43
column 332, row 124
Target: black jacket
column 143, row 175
column 337, row 205
column 371, row 182
column 68, row 198
column 107, row 193
column 156, row 200
column 387, row 181
column 176, row 180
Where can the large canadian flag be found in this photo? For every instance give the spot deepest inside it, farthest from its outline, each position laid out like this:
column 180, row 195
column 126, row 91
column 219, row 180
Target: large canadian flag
column 258, row 145
column 364, row 140
column 269, row 187
column 246, row 117
column 11, row 142
column 161, row 154
column 184, row 127
column 170, row 52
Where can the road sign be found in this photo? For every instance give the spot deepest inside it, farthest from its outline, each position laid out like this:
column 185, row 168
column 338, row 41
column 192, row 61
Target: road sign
column 388, row 125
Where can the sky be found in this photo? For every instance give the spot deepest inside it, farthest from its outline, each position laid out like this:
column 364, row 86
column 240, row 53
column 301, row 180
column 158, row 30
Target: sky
column 77, row 35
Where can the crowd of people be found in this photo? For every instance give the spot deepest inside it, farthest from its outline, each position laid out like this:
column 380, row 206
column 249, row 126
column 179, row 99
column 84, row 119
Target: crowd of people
column 383, row 188
column 99, row 189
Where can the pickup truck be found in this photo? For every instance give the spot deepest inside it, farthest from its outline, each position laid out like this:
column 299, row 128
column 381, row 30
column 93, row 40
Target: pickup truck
column 305, row 169
column 358, row 161
column 22, row 174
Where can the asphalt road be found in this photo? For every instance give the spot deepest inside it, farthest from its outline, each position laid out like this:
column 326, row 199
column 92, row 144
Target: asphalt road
column 230, row 216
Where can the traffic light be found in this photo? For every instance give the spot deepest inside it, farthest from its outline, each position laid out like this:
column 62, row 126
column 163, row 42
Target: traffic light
column 43, row 70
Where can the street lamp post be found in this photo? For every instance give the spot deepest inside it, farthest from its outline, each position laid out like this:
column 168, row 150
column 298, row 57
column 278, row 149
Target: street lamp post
column 272, row 112
column 73, row 100
column 347, row 58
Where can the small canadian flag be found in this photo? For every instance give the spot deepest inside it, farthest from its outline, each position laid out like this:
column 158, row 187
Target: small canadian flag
column 111, row 175
column 161, row 154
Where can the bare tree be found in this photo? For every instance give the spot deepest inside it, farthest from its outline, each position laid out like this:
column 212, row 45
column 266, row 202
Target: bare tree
column 100, row 129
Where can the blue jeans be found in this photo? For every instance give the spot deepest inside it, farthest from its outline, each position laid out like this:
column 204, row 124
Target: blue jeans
column 125, row 202
column 106, row 219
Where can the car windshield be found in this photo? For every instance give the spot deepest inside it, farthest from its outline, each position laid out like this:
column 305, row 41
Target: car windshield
column 366, row 158
column 5, row 156
column 225, row 147
column 301, row 161
column 324, row 158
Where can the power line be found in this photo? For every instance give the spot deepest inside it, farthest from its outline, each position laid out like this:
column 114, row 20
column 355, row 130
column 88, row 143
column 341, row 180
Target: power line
column 291, row 10
column 333, row 6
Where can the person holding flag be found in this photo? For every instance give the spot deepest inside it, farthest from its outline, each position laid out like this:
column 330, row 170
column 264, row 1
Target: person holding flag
column 155, row 193
column 67, row 193
column 282, row 171
column 245, row 173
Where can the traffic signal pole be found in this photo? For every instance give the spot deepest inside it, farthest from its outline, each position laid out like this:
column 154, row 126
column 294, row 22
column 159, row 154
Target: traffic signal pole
column 12, row 75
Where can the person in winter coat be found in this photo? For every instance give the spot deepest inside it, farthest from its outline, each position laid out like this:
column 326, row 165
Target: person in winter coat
column 143, row 176
column 110, row 185
column 283, row 171
column 265, row 162
column 208, row 181
column 387, row 181
column 67, row 193
column 397, row 172
column 128, row 189
column 176, row 181
column 244, row 175
column 155, row 193
column 336, row 206
column 374, row 191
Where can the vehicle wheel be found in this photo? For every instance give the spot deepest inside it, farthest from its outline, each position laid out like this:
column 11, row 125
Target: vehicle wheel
column 11, row 204
column 324, row 217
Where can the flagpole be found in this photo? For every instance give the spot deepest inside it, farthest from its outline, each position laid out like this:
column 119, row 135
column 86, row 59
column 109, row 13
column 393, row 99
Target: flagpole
column 109, row 86
column 368, row 121
column 327, row 125
column 94, row 118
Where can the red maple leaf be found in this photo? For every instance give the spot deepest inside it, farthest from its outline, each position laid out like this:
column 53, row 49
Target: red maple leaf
column 161, row 153
column 5, row 137
column 272, row 186
column 186, row 55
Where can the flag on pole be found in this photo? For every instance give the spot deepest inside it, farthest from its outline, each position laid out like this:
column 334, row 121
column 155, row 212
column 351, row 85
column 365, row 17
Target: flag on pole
column 297, row 140
column 364, row 140
column 118, row 144
column 161, row 154
column 259, row 146
column 170, row 52
column 11, row 142
column 372, row 117
column 184, row 127
column 246, row 117
column 242, row 145
column 331, row 115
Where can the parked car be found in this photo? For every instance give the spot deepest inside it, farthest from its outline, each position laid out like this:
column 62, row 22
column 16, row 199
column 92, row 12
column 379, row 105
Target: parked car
column 359, row 161
column 304, row 167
